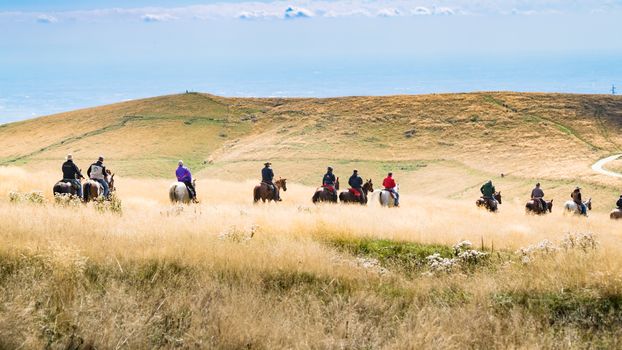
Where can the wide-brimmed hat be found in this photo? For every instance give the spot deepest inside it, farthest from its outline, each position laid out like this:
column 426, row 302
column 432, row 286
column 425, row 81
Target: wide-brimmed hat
column 267, row 163
column 355, row 171
column 330, row 168
column 577, row 188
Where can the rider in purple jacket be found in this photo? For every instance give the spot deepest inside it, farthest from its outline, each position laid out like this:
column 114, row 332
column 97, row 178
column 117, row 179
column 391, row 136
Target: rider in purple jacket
column 184, row 175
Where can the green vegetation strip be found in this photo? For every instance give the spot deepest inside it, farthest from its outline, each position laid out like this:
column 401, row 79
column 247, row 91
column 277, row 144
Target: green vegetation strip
column 404, row 255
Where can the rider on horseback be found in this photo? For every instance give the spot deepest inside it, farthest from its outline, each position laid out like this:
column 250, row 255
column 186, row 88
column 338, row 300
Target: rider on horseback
column 356, row 185
column 390, row 185
column 538, row 197
column 71, row 174
column 576, row 197
column 328, row 182
column 97, row 172
column 183, row 175
column 619, row 203
column 267, row 177
column 488, row 192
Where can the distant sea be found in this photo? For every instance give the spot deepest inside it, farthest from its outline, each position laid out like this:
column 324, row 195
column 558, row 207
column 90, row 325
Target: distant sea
column 28, row 92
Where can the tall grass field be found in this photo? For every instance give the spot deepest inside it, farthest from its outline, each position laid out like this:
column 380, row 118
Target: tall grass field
column 229, row 274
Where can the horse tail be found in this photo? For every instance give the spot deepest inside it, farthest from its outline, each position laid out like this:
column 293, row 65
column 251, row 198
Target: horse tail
column 87, row 191
column 171, row 193
column 315, row 197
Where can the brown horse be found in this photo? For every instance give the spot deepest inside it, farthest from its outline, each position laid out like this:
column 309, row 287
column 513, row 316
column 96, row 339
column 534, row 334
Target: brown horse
column 489, row 204
column 533, row 207
column 93, row 189
column 264, row 193
column 323, row 194
column 615, row 214
column 349, row 197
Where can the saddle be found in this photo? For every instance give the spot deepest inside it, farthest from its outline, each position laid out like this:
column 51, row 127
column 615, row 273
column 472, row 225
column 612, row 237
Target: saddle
column 355, row 192
column 393, row 195
column 68, row 181
column 269, row 185
column 330, row 189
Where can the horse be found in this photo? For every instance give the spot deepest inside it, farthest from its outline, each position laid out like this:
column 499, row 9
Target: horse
column 572, row 207
column 535, row 208
column 615, row 214
column 349, row 197
column 65, row 188
column 323, row 194
column 264, row 193
column 488, row 204
column 385, row 198
column 178, row 192
column 93, row 189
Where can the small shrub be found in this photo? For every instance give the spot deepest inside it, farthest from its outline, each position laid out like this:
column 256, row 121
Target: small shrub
column 67, row 200
column 34, row 197
column 112, row 204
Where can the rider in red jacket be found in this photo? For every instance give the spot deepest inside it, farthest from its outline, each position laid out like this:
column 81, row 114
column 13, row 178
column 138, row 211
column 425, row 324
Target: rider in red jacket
column 389, row 185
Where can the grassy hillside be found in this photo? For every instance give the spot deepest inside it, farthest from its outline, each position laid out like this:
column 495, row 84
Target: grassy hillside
column 436, row 144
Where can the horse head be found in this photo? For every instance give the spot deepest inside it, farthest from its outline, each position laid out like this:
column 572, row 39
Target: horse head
column 497, row 197
column 368, row 186
column 111, row 182
column 194, row 183
column 549, row 206
column 281, row 183
column 337, row 184
column 588, row 204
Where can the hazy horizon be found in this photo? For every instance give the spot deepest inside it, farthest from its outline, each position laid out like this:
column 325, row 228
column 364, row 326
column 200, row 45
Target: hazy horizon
column 63, row 56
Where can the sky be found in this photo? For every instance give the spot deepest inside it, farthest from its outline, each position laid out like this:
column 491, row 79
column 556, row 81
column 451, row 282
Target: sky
column 94, row 51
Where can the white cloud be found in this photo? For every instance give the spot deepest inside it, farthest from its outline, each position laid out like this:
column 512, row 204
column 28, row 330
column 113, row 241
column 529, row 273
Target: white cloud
column 388, row 12
column 160, row 17
column 420, row 10
column 46, row 19
column 297, row 12
column 281, row 9
column 444, row 11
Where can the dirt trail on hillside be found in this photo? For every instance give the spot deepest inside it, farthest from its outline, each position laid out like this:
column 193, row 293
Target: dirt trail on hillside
column 598, row 166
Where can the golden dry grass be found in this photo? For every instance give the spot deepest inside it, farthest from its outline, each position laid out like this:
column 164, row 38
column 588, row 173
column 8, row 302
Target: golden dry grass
column 158, row 276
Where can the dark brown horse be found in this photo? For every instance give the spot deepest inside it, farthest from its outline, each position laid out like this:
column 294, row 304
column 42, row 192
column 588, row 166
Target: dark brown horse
column 323, row 194
column 534, row 207
column 63, row 188
column 489, row 204
column 349, row 197
column 264, row 193
column 93, row 189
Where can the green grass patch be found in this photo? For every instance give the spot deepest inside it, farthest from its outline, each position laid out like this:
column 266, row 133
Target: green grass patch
column 407, row 256
column 581, row 309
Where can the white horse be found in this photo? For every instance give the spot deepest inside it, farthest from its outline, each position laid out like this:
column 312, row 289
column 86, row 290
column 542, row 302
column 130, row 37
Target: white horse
column 178, row 192
column 384, row 197
column 570, row 207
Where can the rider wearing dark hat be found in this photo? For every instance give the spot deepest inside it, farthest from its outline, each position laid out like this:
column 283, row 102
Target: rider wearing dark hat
column 576, row 197
column 356, row 183
column 329, row 180
column 267, row 177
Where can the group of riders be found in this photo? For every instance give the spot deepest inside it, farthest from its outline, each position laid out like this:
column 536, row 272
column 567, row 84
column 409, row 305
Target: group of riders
column 98, row 173
column 537, row 196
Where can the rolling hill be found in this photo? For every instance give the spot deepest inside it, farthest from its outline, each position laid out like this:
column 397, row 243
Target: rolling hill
column 444, row 144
